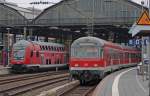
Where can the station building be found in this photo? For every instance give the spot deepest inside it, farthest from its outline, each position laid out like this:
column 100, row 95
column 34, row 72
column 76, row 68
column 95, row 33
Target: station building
column 69, row 20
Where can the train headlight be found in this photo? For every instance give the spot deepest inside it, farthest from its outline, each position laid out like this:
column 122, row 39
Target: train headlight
column 76, row 65
column 95, row 65
column 86, row 64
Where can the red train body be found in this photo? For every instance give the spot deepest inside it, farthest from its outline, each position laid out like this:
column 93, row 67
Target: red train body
column 92, row 57
column 32, row 55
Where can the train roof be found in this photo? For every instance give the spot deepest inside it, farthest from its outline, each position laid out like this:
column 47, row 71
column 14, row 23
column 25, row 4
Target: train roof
column 94, row 39
column 22, row 42
column 101, row 42
column 47, row 43
column 25, row 43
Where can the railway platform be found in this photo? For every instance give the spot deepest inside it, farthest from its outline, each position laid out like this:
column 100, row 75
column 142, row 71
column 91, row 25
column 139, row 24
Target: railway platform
column 123, row 83
column 1, row 66
column 4, row 70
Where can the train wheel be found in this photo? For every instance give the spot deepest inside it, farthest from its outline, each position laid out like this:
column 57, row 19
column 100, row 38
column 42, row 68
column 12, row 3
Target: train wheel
column 82, row 82
column 102, row 75
column 36, row 69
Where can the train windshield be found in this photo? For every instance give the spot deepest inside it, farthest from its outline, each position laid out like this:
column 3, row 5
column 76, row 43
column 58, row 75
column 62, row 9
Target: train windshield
column 19, row 52
column 86, row 52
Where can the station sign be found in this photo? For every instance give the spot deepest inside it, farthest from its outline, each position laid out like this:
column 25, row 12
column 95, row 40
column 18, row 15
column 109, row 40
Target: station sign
column 146, row 61
column 145, row 41
column 135, row 42
column 139, row 42
column 131, row 42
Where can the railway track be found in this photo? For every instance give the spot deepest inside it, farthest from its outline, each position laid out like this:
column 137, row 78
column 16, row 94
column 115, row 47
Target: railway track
column 80, row 91
column 8, row 79
column 21, row 85
column 6, row 75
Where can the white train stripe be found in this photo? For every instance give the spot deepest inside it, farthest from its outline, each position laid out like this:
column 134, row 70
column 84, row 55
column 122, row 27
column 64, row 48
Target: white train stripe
column 102, row 68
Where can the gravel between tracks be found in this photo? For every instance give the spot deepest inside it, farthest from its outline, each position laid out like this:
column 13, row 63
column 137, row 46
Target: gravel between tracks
column 80, row 91
column 28, row 82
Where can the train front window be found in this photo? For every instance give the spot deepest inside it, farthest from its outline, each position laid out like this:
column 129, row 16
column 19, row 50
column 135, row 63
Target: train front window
column 86, row 52
column 19, row 52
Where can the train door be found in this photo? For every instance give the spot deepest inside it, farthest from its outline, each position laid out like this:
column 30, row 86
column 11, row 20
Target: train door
column 31, row 57
column 42, row 59
column 130, row 55
column 106, row 57
column 34, row 59
column 121, row 58
column 124, row 58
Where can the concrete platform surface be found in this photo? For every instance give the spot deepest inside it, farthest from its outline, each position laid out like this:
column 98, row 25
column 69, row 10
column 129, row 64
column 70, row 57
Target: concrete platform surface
column 123, row 83
column 4, row 70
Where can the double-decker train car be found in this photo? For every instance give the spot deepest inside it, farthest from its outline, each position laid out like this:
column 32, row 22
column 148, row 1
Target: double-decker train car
column 33, row 55
column 91, row 58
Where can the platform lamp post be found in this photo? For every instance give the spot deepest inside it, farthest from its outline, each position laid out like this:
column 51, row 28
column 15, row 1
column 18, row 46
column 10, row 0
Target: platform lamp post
column 142, row 3
column 8, row 43
column 25, row 30
column 142, row 67
column 149, row 53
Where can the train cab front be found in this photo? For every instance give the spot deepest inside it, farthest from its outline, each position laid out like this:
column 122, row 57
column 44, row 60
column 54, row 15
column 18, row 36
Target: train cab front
column 86, row 59
column 18, row 58
column 86, row 70
column 18, row 65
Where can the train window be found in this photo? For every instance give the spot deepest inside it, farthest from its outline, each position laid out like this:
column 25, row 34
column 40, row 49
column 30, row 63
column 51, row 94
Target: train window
column 58, row 61
column 47, row 61
column 139, row 55
column 49, row 48
column 46, row 47
column 43, row 48
column 19, row 52
column 127, row 55
column 100, row 52
column 52, row 48
column 85, row 52
column 62, row 48
column 37, row 54
column 132, row 55
column 31, row 53
column 57, row 48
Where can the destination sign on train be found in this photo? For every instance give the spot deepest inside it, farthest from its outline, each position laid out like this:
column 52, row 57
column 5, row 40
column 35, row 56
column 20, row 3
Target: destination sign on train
column 87, row 44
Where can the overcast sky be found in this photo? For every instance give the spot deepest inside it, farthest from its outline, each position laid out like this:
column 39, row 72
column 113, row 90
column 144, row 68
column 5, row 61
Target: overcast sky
column 25, row 3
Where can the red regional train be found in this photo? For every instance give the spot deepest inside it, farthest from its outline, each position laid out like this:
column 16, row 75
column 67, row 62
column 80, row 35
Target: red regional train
column 33, row 55
column 91, row 58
